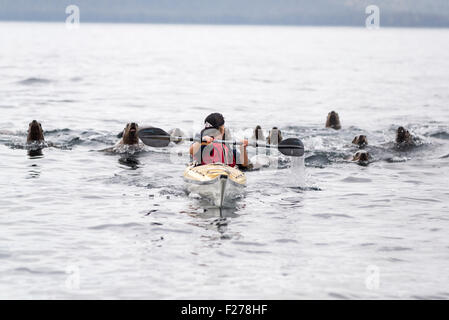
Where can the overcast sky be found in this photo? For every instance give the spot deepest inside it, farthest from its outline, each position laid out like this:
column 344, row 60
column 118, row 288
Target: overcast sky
column 415, row 13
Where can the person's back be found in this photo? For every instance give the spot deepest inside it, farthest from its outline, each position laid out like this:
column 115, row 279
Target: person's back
column 210, row 151
column 215, row 152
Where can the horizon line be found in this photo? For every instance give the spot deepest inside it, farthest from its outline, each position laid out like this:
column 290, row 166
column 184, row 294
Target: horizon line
column 227, row 24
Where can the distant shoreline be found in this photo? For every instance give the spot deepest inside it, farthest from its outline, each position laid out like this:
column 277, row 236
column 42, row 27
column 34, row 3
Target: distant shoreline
column 228, row 24
column 407, row 14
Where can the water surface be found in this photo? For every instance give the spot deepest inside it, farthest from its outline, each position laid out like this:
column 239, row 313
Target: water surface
column 78, row 223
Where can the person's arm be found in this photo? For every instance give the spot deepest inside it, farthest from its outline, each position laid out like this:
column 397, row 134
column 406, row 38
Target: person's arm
column 244, row 153
column 194, row 147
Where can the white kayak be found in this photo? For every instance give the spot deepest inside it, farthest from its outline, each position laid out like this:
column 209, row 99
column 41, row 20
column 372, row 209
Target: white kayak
column 217, row 182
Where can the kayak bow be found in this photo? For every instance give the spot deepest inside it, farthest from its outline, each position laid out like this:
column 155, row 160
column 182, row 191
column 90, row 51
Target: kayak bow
column 217, row 182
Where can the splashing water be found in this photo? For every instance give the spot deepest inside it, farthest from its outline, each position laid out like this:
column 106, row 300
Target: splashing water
column 296, row 173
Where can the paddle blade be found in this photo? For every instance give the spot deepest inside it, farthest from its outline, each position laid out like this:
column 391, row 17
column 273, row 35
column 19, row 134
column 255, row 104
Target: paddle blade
column 154, row 137
column 292, row 147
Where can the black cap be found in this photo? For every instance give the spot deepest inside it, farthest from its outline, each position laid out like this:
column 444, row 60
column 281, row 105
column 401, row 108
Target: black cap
column 212, row 123
column 214, row 120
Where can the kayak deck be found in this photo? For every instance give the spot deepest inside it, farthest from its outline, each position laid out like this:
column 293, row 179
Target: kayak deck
column 209, row 172
column 217, row 182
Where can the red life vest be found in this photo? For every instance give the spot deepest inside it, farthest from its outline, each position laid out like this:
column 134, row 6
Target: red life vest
column 216, row 153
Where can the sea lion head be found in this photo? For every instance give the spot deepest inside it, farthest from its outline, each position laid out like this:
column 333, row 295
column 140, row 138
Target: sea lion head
column 35, row 132
column 402, row 135
column 274, row 136
column 361, row 156
column 130, row 136
column 176, row 135
column 360, row 140
column 258, row 133
column 333, row 120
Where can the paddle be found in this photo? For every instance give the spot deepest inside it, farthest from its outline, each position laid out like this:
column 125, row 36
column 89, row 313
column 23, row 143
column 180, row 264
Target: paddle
column 156, row 137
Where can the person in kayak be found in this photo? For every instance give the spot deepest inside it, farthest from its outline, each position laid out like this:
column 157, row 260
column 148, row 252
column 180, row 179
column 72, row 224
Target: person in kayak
column 208, row 151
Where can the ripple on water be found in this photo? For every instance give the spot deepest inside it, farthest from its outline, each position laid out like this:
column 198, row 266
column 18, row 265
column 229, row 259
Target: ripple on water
column 130, row 225
column 337, row 296
column 34, row 81
column 356, row 179
column 391, row 259
column 440, row 135
column 388, row 249
column 34, row 271
column 397, row 159
column 286, row 241
column 225, row 254
column 248, row 243
column 306, row 188
column 172, row 230
column 331, row 215
column 258, row 251
column 4, row 255
column 416, row 199
column 291, row 202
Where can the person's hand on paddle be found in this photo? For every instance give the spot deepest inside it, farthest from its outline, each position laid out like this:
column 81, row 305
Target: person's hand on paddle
column 208, row 139
column 244, row 143
column 243, row 153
